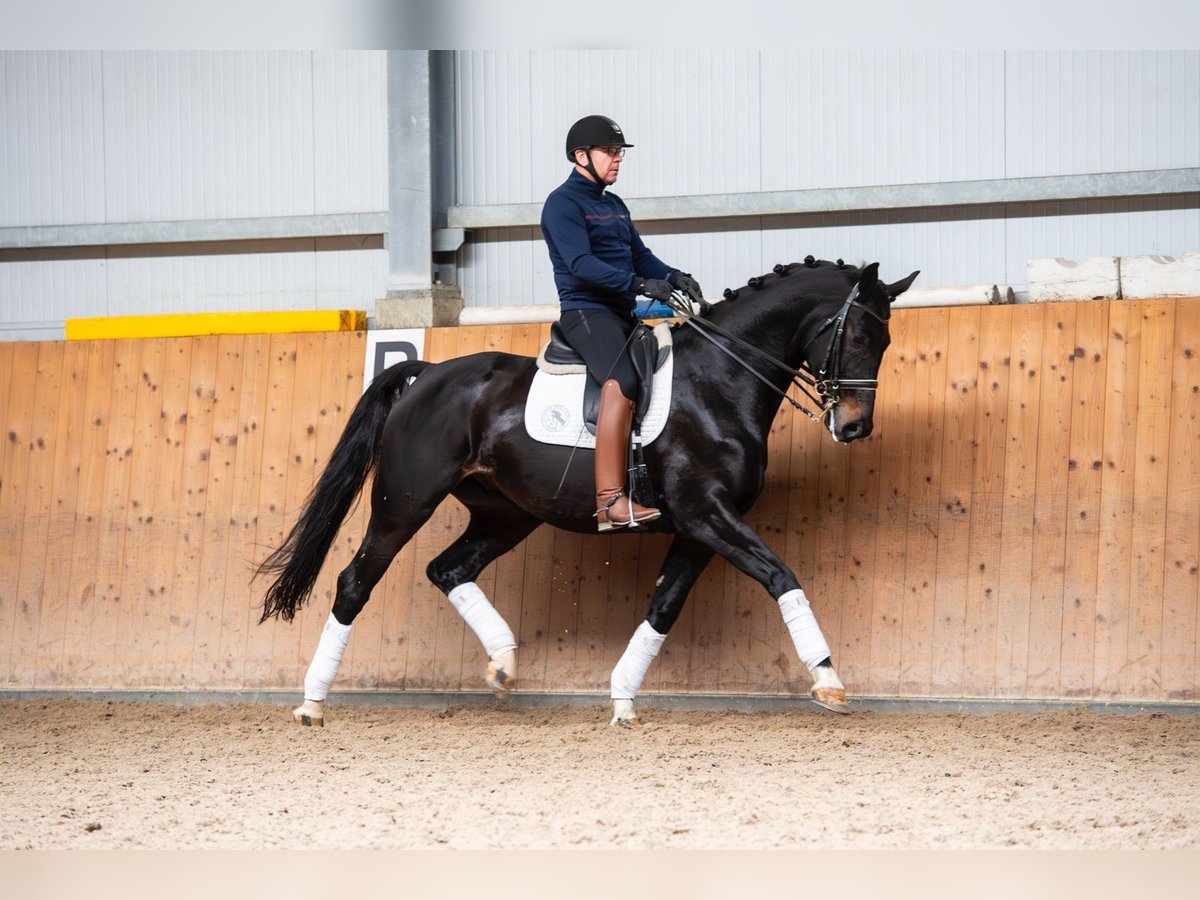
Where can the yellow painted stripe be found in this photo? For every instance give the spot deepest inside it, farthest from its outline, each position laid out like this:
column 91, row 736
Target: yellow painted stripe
column 191, row 324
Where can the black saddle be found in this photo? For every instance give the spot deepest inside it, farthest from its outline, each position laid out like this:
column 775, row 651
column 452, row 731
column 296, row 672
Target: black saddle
column 644, row 351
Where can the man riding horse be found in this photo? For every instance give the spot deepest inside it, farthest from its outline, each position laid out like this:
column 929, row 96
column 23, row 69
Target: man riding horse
column 600, row 264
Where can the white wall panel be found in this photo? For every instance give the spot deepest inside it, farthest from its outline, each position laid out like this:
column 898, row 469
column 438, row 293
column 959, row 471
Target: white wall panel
column 850, row 118
column 714, row 122
column 129, row 137
column 349, row 122
column 51, row 138
column 1093, row 111
column 42, row 287
column 208, row 135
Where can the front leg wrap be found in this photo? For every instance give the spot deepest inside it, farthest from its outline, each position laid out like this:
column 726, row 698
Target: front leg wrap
column 811, row 646
column 813, row 650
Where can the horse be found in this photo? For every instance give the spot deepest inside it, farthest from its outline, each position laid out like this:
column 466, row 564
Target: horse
column 457, row 428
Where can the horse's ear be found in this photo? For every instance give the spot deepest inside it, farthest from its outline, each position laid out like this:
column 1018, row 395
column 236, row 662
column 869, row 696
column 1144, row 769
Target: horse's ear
column 868, row 277
column 895, row 290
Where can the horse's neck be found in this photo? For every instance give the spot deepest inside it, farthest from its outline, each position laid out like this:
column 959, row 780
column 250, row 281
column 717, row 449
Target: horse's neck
column 779, row 329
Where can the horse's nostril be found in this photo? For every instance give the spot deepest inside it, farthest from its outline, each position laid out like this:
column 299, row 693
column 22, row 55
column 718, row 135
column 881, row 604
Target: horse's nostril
column 855, row 430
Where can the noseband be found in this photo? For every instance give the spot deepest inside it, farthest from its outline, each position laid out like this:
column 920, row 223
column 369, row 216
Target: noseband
column 827, row 381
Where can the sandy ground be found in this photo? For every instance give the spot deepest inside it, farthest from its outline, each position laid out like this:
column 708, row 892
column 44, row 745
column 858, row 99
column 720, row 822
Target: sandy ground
column 89, row 774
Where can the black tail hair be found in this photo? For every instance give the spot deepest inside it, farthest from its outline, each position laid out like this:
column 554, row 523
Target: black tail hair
column 298, row 560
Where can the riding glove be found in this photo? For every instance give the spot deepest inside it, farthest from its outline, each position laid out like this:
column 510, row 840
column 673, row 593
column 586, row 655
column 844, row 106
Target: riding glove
column 655, row 288
column 688, row 285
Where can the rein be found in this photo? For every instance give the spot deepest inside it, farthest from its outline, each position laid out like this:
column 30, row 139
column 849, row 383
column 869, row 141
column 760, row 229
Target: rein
column 827, row 382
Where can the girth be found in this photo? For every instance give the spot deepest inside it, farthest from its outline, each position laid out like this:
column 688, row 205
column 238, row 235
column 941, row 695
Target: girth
column 559, row 357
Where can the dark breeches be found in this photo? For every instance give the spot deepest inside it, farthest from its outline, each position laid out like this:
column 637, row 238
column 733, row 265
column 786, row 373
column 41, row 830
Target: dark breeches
column 600, row 336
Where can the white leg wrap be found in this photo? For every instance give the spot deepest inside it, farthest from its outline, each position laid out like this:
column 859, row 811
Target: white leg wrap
column 323, row 668
column 635, row 661
column 811, row 645
column 489, row 626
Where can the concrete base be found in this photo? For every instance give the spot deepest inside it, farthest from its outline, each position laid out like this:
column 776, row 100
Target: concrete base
column 436, row 306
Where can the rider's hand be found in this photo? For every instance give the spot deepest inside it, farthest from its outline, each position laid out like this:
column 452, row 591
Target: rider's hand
column 655, row 288
column 689, row 285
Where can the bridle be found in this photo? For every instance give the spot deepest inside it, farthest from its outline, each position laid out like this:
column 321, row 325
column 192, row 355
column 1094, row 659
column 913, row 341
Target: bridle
column 827, row 381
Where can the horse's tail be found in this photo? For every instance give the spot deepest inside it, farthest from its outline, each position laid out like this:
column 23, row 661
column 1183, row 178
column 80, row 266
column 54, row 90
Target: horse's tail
column 298, row 561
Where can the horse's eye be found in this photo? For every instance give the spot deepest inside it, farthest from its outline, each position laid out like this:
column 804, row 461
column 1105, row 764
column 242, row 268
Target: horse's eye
column 858, row 340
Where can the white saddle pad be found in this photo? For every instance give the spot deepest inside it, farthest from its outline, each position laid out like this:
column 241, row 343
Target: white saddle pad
column 554, row 410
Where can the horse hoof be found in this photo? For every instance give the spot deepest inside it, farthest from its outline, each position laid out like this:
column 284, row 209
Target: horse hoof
column 832, row 699
column 623, row 715
column 502, row 673
column 310, row 713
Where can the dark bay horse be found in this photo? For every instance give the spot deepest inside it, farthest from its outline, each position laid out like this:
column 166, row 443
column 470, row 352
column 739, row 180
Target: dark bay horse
column 458, row 428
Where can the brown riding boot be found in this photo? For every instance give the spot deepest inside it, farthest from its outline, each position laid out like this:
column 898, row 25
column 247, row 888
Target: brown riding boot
column 613, row 422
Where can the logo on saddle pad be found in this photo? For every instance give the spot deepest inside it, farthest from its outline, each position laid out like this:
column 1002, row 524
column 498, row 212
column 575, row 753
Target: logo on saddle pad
column 554, row 408
column 555, row 417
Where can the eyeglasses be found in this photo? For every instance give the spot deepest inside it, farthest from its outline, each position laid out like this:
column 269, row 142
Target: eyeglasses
column 614, row 152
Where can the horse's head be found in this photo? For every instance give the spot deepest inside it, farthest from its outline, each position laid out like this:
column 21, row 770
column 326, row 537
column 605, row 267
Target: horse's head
column 845, row 354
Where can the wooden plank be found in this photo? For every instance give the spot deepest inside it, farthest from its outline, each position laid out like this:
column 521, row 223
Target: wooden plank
column 1115, row 563
column 895, row 404
column 565, row 572
column 1050, row 503
column 590, row 668
column 135, row 661
column 1020, row 481
column 55, row 596
column 960, row 398
column 987, row 535
column 243, row 601
column 288, row 656
column 1181, row 578
column 1084, row 480
column 852, row 653
column 916, row 631
column 99, row 670
column 174, row 520
column 35, row 522
column 80, row 588
column 1143, row 673
column 14, row 493
column 272, row 522
column 209, row 668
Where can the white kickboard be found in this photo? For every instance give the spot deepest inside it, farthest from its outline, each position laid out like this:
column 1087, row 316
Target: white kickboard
column 554, row 410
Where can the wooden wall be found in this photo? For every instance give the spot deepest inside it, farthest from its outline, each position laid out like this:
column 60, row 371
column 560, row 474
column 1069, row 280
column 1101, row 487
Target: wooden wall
column 1024, row 523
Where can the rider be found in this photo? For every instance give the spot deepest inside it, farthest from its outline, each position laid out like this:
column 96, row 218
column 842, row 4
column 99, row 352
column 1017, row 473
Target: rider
column 600, row 264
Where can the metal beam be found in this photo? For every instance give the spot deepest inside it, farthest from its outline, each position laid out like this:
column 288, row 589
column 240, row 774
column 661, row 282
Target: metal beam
column 410, row 250
column 193, row 231
column 893, row 196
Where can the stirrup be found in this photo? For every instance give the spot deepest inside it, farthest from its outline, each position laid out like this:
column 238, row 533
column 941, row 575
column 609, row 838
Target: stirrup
column 610, row 524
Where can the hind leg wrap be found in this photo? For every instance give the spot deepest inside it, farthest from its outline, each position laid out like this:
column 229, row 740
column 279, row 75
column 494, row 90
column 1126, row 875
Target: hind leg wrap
column 477, row 611
column 323, row 669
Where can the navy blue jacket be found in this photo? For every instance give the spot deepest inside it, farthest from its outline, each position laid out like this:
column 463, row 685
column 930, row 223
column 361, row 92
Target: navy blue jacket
column 596, row 251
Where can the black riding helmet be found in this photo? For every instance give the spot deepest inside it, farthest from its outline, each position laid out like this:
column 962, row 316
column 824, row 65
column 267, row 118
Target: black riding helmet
column 594, row 131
